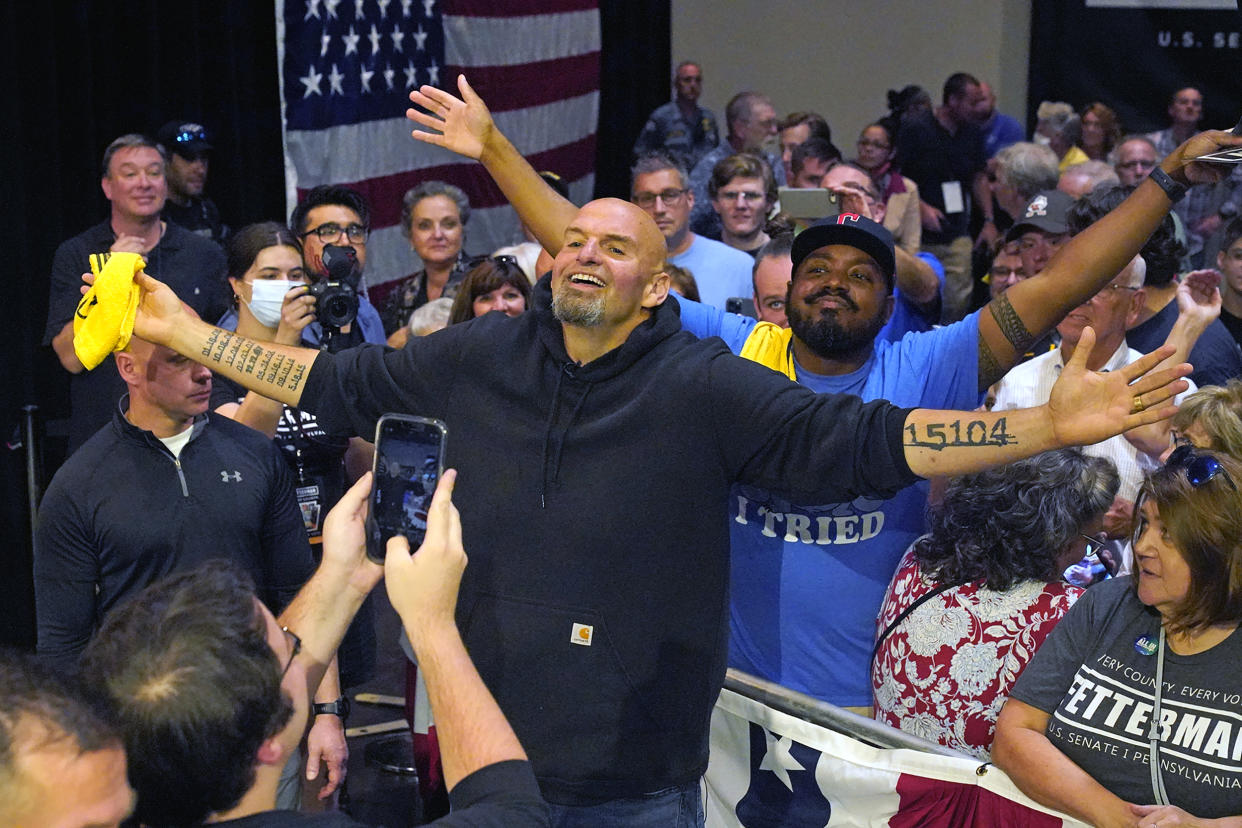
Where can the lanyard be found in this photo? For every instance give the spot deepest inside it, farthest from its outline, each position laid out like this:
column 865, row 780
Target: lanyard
column 1157, row 778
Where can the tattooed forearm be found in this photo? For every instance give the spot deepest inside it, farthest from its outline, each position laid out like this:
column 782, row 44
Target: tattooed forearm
column 959, row 434
column 295, row 381
column 1010, row 324
column 989, row 369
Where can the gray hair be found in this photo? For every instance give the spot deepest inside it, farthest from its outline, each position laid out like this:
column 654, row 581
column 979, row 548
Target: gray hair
column 431, row 317
column 427, row 189
column 1096, row 173
column 1009, row 524
column 1115, row 156
column 1028, row 168
column 1061, row 119
column 741, row 105
column 130, row 139
column 658, row 161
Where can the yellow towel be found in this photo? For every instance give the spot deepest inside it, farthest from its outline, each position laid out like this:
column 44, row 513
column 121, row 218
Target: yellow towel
column 768, row 345
column 104, row 320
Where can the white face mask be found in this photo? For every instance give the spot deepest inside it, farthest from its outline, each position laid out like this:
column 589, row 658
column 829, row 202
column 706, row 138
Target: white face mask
column 266, row 298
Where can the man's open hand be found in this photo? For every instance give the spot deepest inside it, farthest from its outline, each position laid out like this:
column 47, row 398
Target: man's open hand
column 1087, row 407
column 462, row 125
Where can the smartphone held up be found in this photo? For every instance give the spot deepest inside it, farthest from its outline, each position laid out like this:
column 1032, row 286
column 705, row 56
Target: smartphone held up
column 409, row 459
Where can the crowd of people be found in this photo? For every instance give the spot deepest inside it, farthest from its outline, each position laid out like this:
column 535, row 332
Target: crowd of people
column 911, row 456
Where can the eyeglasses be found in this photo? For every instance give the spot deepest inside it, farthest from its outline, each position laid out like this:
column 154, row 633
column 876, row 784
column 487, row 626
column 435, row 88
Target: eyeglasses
column 331, row 231
column 745, row 195
column 293, row 650
column 670, row 196
column 1200, row 468
column 1138, row 163
column 867, row 142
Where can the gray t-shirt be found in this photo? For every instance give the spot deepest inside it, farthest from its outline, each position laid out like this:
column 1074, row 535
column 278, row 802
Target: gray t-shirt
column 1095, row 677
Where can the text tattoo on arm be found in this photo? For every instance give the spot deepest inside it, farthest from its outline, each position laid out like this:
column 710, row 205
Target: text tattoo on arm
column 959, row 434
column 252, row 359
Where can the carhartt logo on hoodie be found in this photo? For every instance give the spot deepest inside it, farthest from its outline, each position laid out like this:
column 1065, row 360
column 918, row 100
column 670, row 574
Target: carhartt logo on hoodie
column 581, row 635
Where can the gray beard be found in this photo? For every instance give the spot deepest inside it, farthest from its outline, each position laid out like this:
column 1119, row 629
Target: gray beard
column 573, row 308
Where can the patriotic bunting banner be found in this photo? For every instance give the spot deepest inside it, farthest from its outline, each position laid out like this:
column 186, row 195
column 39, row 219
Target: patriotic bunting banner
column 346, row 70
column 771, row 769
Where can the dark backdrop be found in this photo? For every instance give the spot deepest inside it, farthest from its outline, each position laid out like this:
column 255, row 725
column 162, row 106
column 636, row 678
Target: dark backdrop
column 78, row 74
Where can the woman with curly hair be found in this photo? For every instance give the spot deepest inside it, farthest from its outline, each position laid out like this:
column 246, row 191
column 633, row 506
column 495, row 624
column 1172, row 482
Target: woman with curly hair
column 972, row 600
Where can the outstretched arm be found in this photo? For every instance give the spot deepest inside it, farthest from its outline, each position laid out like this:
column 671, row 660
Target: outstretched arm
column 423, row 587
column 465, row 126
column 1085, row 407
column 275, row 371
column 1029, row 309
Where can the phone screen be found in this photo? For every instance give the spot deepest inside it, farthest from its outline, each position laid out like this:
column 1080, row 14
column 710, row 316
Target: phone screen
column 409, row 458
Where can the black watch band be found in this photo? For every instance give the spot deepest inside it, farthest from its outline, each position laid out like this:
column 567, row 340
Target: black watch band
column 340, row 708
column 1171, row 188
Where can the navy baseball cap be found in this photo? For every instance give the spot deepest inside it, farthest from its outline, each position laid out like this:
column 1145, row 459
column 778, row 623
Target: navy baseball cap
column 1048, row 211
column 184, row 138
column 849, row 229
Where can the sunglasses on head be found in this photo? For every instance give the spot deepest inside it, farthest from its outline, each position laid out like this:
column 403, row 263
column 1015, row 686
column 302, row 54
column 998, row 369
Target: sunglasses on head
column 1199, row 467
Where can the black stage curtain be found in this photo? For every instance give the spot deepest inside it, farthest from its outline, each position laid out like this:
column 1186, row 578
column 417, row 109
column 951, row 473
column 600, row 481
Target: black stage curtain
column 81, row 73
column 1134, row 58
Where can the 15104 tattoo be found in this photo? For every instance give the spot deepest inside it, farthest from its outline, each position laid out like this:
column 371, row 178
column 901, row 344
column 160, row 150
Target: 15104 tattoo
column 957, row 434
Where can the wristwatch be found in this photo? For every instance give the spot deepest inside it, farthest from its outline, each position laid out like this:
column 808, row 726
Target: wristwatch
column 340, row 707
column 1171, row 188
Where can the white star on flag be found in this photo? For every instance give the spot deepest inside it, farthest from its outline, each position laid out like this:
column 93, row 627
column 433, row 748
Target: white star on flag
column 778, row 759
column 397, row 36
column 331, row 5
column 389, row 74
column 359, row 14
column 420, row 37
column 433, row 74
column 311, row 79
column 383, row 7
column 411, row 75
column 324, row 42
column 366, row 80
column 335, row 78
column 312, row 9
column 428, row 5
column 351, row 41
column 405, row 7
column 374, row 37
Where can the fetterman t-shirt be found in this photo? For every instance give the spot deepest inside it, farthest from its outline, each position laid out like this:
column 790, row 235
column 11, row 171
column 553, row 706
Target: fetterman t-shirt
column 1095, row 678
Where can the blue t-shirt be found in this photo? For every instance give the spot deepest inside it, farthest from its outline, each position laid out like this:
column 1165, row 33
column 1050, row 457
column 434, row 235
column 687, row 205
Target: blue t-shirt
column 719, row 271
column 808, row 581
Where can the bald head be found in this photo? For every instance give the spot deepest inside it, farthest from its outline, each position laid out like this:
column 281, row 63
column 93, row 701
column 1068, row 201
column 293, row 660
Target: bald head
column 632, row 221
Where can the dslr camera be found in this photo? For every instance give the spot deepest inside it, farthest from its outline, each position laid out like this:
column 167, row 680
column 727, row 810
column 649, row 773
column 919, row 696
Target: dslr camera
column 336, row 297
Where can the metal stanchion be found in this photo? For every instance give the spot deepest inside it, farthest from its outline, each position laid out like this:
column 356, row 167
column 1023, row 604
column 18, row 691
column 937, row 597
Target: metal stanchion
column 32, row 466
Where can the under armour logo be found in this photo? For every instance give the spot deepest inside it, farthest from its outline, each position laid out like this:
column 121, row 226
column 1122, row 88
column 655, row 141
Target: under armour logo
column 1038, row 207
column 235, row 477
column 844, row 217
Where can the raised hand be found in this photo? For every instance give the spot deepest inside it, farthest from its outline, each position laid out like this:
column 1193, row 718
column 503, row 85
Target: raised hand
column 462, row 125
column 1087, row 407
column 1198, row 295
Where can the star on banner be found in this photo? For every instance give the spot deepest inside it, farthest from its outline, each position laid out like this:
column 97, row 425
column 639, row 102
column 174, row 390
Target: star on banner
column 351, row 41
column 428, row 5
column 389, row 74
column 778, row 759
column 411, row 75
column 330, row 6
column 311, row 79
column 374, row 37
column 324, row 42
column 397, row 36
column 312, row 9
column 433, row 74
column 420, row 37
column 405, row 7
column 359, row 14
column 335, row 78
column 366, row 80
column 383, row 7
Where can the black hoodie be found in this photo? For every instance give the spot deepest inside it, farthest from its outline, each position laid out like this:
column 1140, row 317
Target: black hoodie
column 594, row 511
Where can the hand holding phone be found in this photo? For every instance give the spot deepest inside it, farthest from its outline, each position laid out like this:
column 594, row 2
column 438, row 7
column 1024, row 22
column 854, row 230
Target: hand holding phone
column 409, row 459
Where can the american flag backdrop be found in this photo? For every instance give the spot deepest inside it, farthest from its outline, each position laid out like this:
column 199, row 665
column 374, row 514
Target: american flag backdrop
column 346, row 69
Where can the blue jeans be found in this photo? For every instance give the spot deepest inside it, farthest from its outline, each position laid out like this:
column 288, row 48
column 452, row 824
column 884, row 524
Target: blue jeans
column 671, row 808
